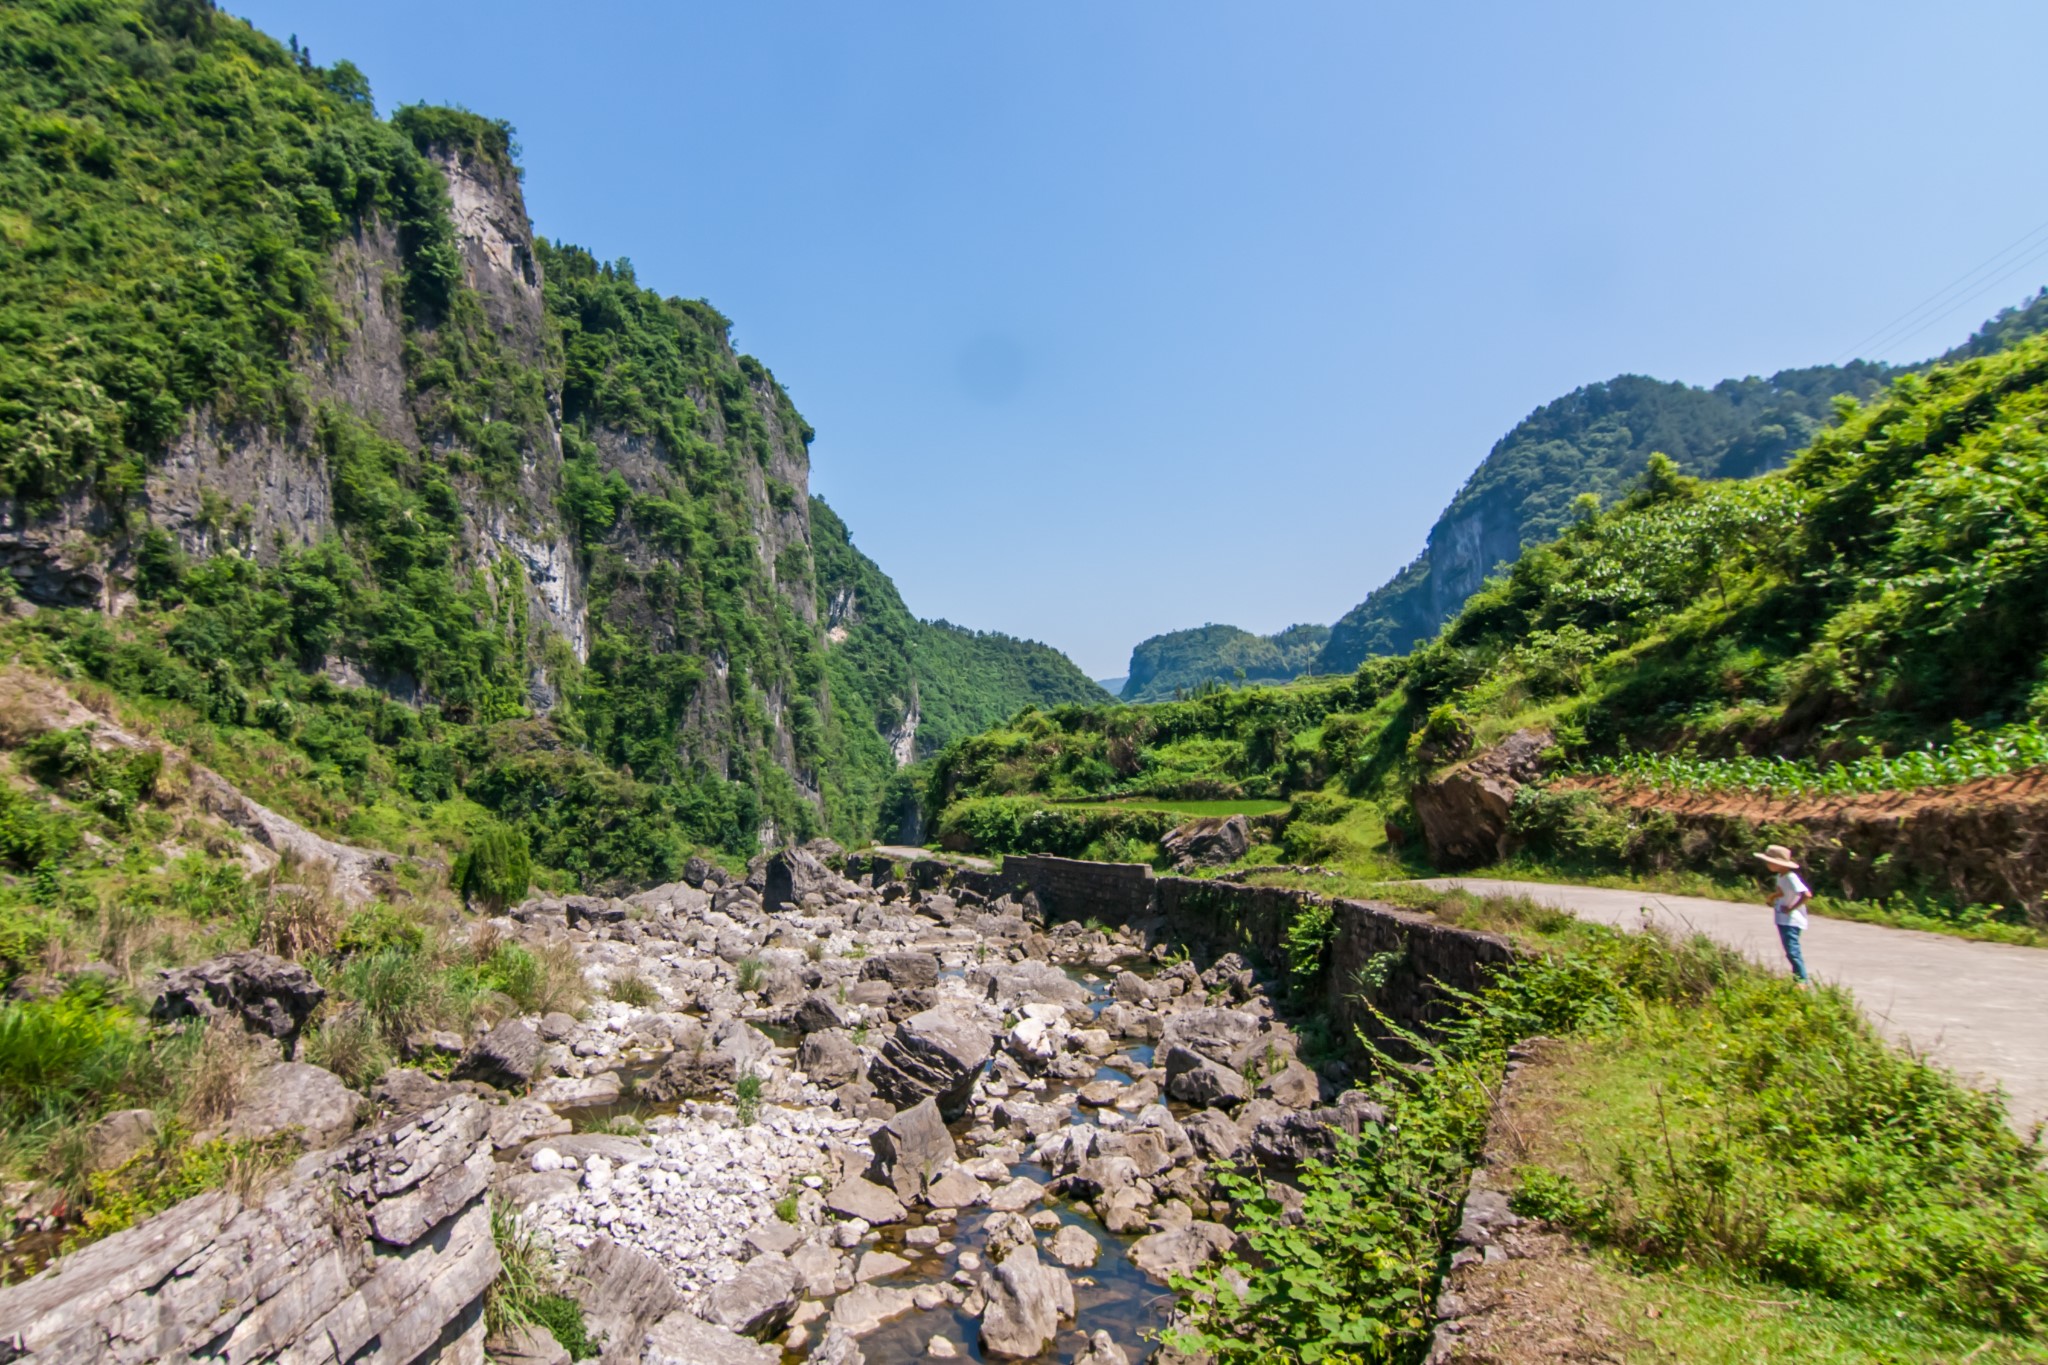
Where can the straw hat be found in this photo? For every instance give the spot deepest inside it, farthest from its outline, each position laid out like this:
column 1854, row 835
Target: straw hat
column 1780, row 857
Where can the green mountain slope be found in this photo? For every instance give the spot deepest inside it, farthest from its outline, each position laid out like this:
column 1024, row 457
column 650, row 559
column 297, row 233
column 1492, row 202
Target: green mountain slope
column 1887, row 585
column 1184, row 660
column 1596, row 440
column 294, row 394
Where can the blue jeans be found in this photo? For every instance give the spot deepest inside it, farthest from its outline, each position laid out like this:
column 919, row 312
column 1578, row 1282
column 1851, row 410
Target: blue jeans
column 1788, row 934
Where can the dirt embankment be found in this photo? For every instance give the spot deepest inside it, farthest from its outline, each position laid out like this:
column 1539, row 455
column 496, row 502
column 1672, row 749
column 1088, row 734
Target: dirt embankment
column 1977, row 843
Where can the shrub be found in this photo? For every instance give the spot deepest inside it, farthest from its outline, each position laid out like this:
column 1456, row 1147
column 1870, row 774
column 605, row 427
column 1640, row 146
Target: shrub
column 58, row 1057
column 635, row 990
column 497, row 869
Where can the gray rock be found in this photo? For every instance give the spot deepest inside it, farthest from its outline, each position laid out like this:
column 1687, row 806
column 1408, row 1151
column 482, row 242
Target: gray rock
column 1209, row 842
column 555, row 1026
column 1214, row 1135
column 758, row 1301
column 1073, row 1247
column 1026, row 1300
column 1031, row 982
column 868, row 1306
column 528, row 1345
column 683, row 1338
column 1181, row 1251
column 571, row 1092
column 904, row 971
column 184, row 1284
column 817, row 1012
column 1194, row 1079
column 1102, row 1350
column 829, row 1057
column 911, row 1149
column 265, row 994
column 120, row 1136
column 956, row 1189
column 838, row 1348
column 505, row 1057
column 1294, row 1085
column 864, row 1199
column 623, row 1293
column 1222, row 1035
column 696, row 1073
column 292, row 1096
column 791, row 874
column 938, row 1054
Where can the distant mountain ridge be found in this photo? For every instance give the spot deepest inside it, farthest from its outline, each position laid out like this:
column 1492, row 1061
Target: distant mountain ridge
column 1181, row 661
column 1596, row 439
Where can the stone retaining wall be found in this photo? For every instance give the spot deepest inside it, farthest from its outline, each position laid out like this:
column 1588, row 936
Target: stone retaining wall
column 1420, row 957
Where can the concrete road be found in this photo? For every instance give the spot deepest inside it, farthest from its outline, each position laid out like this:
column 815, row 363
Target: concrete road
column 1980, row 1009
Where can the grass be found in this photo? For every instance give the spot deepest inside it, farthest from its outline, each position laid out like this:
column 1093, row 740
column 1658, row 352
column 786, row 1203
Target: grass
column 1767, row 1139
column 1241, row 806
column 525, row 1293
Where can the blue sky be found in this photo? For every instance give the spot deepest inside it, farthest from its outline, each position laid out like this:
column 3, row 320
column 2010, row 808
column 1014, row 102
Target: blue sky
column 1118, row 318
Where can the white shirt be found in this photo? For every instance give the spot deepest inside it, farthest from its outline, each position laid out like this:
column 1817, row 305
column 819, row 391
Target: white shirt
column 1790, row 888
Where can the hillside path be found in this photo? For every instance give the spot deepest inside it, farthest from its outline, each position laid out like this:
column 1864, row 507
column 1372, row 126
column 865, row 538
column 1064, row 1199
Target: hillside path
column 1980, row 1009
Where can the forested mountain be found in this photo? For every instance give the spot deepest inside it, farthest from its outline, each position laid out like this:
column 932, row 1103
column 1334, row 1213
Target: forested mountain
column 295, row 398
column 1881, row 601
column 1184, row 660
column 1596, row 440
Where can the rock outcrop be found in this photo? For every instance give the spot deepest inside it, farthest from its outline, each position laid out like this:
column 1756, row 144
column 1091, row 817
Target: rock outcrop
column 1464, row 811
column 265, row 994
column 1210, row 842
column 380, row 1251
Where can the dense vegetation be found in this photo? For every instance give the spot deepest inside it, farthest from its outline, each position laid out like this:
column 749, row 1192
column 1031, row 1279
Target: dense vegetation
column 1852, row 609
column 1596, row 440
column 1167, row 666
column 1795, row 1150
column 178, row 189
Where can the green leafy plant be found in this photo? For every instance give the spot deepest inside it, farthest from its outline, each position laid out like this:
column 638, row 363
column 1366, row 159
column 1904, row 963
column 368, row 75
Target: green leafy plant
column 746, row 1096
column 496, row 870
column 748, row 973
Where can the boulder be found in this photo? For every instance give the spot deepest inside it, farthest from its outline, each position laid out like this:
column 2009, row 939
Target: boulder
column 1015, row 984
column 505, row 1057
column 1214, row 1135
column 866, row 1307
column 1180, row 1251
column 1194, row 1079
column 1210, row 842
column 1102, row 1350
column 904, row 971
column 935, row 1054
column 791, row 874
column 955, row 1189
column 1294, row 1085
column 696, row 1073
column 829, row 1058
column 527, row 1344
column 623, row 1293
column 264, row 993
column 865, row 1200
column 1464, row 811
column 817, row 1012
column 1026, row 1300
column 758, row 1301
column 911, row 1150
column 1222, row 1035
column 294, row 1097
column 683, row 1338
column 1073, row 1247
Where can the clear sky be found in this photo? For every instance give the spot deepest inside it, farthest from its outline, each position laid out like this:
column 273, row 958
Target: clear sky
column 1115, row 318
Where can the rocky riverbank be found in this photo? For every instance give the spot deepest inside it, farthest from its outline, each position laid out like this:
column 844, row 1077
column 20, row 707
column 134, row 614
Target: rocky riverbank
column 834, row 1118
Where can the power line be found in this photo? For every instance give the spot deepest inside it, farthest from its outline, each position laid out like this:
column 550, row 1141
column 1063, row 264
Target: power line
column 1947, row 299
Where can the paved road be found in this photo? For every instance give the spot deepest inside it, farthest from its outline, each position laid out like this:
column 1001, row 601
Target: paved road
column 1980, row 1009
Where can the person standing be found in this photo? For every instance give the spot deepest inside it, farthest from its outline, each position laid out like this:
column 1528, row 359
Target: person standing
column 1788, row 906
